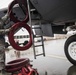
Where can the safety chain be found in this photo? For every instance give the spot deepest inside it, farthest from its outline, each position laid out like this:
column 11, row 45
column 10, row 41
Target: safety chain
column 18, row 24
column 20, row 67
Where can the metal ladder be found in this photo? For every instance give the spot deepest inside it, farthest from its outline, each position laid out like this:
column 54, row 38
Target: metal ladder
column 36, row 36
column 41, row 43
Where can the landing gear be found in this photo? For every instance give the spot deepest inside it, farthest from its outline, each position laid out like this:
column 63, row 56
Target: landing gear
column 70, row 49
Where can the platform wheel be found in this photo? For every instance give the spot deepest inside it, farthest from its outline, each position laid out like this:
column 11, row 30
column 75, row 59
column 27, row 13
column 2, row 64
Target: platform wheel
column 71, row 70
column 70, row 49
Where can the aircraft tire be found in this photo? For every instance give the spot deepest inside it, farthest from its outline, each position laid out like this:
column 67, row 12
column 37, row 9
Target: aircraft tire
column 70, row 54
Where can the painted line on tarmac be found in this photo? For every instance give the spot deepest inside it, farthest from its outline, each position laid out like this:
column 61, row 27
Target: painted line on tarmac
column 57, row 56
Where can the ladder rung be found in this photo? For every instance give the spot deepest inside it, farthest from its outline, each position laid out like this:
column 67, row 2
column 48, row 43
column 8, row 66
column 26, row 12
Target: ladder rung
column 35, row 19
column 33, row 10
column 38, row 45
column 39, row 54
column 37, row 36
column 36, row 27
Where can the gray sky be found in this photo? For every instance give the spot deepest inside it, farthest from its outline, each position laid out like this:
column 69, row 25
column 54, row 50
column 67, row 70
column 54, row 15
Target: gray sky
column 4, row 3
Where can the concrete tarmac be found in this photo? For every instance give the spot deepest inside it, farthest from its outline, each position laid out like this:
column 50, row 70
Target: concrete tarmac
column 54, row 63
